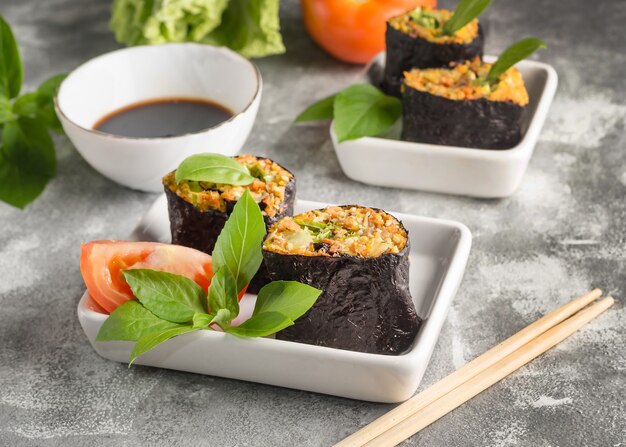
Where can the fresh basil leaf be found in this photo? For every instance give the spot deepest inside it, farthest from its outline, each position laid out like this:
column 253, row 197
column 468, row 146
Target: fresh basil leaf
column 214, row 168
column 290, row 298
column 238, row 247
column 27, row 161
column 202, row 320
column 174, row 298
column 11, row 73
column 45, row 102
column 222, row 318
column 464, row 13
column 363, row 110
column 261, row 325
column 148, row 341
column 130, row 321
column 320, row 110
column 6, row 111
column 223, row 293
column 27, row 105
column 512, row 55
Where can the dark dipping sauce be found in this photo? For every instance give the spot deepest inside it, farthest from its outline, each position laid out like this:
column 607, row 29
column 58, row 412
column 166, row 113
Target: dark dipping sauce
column 165, row 117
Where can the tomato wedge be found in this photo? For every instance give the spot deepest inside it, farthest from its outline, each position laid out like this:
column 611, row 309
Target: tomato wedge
column 102, row 262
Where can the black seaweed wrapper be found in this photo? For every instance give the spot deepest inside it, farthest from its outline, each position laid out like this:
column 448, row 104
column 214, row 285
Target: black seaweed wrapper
column 405, row 52
column 199, row 229
column 365, row 305
column 477, row 123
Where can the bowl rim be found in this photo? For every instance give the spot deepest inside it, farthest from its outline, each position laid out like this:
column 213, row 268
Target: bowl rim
column 220, row 49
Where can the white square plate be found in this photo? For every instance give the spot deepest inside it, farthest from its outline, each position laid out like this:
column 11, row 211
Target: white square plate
column 487, row 173
column 439, row 252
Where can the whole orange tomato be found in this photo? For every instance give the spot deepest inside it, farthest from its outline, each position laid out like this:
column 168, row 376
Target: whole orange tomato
column 353, row 30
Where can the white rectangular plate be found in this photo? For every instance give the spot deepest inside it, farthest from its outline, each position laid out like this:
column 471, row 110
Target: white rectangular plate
column 439, row 252
column 486, row 173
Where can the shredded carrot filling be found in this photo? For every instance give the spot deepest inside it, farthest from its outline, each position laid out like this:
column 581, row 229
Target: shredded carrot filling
column 427, row 23
column 337, row 231
column 268, row 188
column 466, row 81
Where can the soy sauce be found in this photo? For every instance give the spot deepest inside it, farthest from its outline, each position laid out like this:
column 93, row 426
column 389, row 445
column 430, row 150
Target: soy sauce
column 166, row 117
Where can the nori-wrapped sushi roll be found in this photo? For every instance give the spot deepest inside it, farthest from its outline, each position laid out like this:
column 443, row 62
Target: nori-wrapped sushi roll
column 359, row 258
column 457, row 107
column 416, row 40
column 199, row 210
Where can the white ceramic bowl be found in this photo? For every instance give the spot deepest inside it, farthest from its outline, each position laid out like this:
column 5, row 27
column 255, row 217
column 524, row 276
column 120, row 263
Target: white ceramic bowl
column 439, row 252
column 447, row 169
column 124, row 77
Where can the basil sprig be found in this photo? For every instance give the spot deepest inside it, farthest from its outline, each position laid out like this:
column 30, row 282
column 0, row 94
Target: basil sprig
column 214, row 168
column 27, row 156
column 360, row 110
column 512, row 55
column 169, row 305
column 464, row 13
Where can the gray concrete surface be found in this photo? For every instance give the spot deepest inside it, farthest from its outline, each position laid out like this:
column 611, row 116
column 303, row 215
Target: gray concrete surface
column 562, row 233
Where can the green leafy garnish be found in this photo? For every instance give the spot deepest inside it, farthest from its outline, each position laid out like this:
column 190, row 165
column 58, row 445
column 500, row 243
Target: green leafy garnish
column 169, row 305
column 238, row 247
column 27, row 156
column 156, row 291
column 148, row 341
column 130, row 321
column 360, row 110
column 213, row 168
column 223, row 292
column 320, row 110
column 464, row 13
column 250, row 27
column 363, row 110
column 11, row 71
column 512, row 55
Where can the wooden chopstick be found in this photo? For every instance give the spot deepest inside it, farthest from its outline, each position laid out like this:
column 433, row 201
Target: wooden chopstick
column 427, row 415
column 468, row 371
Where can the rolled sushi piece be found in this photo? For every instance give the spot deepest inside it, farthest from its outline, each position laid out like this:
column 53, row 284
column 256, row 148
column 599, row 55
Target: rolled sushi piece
column 416, row 40
column 199, row 210
column 359, row 258
column 456, row 106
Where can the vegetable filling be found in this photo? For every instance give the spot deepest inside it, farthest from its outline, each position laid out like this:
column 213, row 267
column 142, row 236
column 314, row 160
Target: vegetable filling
column 338, row 231
column 427, row 23
column 268, row 188
column 467, row 81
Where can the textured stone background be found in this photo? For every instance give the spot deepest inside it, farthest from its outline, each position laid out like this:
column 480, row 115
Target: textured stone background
column 562, row 233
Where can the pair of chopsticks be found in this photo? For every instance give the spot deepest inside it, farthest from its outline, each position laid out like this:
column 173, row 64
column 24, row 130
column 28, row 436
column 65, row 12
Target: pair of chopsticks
column 474, row 377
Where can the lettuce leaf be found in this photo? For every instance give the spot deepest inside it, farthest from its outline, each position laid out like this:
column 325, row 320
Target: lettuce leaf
column 250, row 27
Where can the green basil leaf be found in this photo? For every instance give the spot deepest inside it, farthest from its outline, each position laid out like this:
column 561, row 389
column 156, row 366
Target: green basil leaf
column 6, row 111
column 148, row 341
column 320, row 110
column 238, row 247
column 363, row 110
column 512, row 55
column 130, row 321
column 290, row 298
column 202, row 320
column 214, row 168
column 45, row 102
column 222, row 318
column 261, row 325
column 464, row 13
column 27, row 105
column 10, row 63
column 174, row 298
column 223, row 292
column 27, row 161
